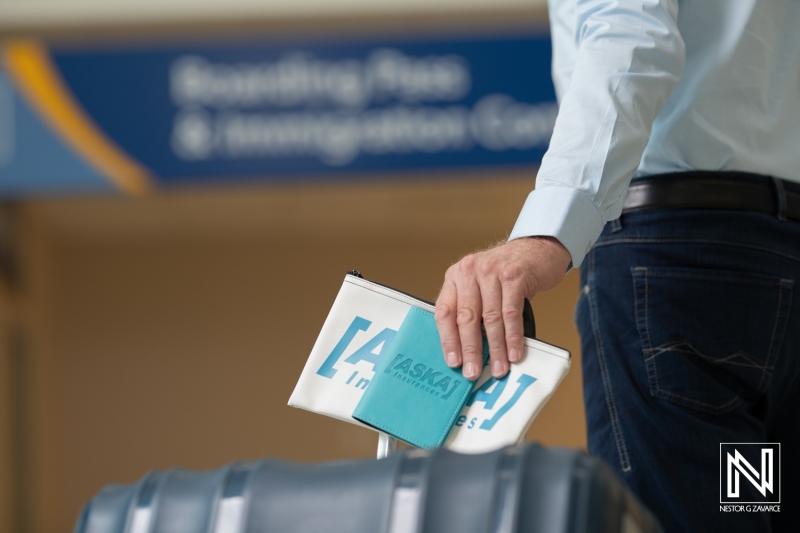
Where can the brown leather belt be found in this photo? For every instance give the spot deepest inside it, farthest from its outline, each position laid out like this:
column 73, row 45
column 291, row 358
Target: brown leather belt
column 737, row 191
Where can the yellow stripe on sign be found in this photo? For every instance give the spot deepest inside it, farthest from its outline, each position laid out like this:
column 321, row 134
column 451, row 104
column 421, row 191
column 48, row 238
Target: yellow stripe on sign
column 35, row 76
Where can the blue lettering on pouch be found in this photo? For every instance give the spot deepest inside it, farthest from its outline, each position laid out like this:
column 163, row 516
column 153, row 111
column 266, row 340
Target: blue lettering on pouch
column 488, row 397
column 365, row 353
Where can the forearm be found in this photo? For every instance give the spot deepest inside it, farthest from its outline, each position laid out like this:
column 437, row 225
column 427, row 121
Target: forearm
column 629, row 56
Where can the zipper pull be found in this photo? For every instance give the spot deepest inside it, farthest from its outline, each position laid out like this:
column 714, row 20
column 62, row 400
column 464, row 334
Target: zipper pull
column 355, row 273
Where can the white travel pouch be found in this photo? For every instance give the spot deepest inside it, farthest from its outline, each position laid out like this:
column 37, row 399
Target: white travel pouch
column 364, row 319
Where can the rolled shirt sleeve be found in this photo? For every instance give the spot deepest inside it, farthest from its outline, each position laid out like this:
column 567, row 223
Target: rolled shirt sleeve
column 615, row 65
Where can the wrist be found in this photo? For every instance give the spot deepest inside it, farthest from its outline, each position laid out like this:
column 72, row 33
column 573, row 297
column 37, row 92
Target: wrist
column 551, row 246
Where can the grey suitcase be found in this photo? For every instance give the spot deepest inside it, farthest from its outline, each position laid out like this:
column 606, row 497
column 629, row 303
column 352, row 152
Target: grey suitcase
column 523, row 488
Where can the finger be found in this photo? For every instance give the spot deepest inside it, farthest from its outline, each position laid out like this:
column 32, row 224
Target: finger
column 492, row 300
column 513, row 301
column 468, row 318
column 446, row 322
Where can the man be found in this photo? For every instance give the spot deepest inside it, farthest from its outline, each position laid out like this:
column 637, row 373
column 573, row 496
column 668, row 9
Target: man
column 690, row 329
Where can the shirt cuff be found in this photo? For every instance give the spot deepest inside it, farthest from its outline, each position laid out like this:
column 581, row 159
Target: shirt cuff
column 564, row 213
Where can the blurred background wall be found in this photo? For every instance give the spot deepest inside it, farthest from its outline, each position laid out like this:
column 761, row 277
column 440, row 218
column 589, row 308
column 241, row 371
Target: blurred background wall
column 141, row 333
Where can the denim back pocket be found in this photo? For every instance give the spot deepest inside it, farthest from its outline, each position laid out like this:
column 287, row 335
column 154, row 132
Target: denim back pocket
column 709, row 337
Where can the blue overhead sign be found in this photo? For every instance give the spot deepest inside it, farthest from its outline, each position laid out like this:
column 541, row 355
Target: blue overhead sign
column 139, row 118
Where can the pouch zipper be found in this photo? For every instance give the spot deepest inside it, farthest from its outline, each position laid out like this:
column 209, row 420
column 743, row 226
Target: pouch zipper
column 358, row 274
column 528, row 322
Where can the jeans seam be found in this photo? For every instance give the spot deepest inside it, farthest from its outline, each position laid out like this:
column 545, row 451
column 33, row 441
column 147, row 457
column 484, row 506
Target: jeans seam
column 683, row 240
column 696, row 404
column 673, row 347
column 619, row 438
column 743, row 279
column 647, row 308
column 652, row 372
column 778, row 315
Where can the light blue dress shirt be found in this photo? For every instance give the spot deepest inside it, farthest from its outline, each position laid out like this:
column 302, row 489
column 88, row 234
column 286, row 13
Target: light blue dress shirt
column 654, row 86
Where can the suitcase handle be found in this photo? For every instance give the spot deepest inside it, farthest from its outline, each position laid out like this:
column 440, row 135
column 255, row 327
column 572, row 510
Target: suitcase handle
column 528, row 323
column 387, row 445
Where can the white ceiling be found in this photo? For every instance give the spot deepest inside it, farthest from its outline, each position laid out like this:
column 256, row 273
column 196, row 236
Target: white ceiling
column 21, row 13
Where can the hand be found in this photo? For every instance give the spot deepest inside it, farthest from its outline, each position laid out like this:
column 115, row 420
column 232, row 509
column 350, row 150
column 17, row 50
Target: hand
column 492, row 285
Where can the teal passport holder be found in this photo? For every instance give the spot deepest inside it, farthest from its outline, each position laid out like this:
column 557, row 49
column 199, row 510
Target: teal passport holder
column 414, row 395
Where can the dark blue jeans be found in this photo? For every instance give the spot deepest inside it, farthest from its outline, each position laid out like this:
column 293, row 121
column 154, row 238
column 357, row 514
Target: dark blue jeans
column 690, row 334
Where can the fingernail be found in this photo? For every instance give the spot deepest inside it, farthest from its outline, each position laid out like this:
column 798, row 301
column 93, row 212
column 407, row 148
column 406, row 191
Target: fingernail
column 498, row 369
column 513, row 355
column 470, row 371
column 452, row 359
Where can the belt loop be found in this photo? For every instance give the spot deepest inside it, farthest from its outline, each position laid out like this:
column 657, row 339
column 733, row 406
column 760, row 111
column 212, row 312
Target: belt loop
column 780, row 194
column 616, row 224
